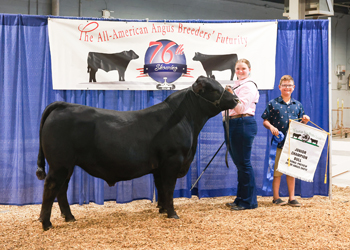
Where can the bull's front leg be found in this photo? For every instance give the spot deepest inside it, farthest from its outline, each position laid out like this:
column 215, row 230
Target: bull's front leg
column 169, row 198
column 169, row 176
column 121, row 73
column 158, row 183
column 209, row 73
column 232, row 74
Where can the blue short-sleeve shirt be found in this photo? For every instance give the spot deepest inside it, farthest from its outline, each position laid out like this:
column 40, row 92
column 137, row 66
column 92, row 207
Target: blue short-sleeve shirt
column 278, row 113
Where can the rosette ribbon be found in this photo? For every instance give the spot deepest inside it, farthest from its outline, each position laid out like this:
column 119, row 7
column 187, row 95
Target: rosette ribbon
column 267, row 185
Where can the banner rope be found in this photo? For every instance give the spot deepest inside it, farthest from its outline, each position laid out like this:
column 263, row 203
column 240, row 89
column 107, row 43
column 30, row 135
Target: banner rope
column 328, row 134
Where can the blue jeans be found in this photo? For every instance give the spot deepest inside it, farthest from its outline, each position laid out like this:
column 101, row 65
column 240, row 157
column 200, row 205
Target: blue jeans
column 242, row 132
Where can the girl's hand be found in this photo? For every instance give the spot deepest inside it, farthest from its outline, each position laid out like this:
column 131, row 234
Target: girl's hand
column 229, row 89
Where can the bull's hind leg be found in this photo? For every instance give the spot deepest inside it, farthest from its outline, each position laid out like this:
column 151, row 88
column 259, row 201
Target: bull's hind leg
column 63, row 202
column 53, row 183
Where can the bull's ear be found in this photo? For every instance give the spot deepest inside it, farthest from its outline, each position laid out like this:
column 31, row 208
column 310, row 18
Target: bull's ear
column 199, row 84
column 197, row 87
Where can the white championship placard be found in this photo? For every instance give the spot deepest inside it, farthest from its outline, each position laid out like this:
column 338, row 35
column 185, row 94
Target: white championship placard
column 303, row 146
column 119, row 55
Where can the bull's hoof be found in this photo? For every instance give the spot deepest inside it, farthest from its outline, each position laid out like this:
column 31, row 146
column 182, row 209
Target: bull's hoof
column 162, row 210
column 173, row 216
column 70, row 219
column 47, row 227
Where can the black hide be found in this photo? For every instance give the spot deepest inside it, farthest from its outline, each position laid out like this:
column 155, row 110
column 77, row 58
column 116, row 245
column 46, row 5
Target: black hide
column 122, row 145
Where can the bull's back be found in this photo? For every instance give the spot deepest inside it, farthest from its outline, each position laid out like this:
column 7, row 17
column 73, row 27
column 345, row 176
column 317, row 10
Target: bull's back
column 219, row 62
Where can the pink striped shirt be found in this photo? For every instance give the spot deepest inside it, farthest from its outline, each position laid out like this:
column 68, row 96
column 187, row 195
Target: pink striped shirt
column 248, row 94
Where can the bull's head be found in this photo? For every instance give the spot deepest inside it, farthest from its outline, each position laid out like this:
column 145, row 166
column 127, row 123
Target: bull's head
column 211, row 90
column 131, row 54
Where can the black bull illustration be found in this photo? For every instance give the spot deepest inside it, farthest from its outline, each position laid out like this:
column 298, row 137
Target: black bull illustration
column 123, row 145
column 217, row 62
column 108, row 62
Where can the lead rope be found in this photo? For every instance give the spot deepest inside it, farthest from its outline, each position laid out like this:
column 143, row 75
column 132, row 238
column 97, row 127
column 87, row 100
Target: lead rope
column 227, row 119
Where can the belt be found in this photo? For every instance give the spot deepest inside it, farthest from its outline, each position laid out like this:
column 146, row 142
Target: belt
column 239, row 116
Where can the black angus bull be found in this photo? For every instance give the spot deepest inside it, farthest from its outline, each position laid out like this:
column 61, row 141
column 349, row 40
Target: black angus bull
column 314, row 141
column 122, row 145
column 108, row 62
column 217, row 62
column 295, row 135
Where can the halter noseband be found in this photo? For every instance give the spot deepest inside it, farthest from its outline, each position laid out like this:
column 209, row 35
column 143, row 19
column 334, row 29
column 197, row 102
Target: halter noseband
column 215, row 103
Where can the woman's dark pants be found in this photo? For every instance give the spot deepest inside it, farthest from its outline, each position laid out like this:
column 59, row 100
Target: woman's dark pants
column 242, row 132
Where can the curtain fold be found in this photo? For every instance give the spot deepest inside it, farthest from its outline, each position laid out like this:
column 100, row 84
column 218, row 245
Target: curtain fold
column 26, row 89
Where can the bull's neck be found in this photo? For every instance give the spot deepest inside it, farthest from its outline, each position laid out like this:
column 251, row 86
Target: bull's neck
column 185, row 107
column 197, row 110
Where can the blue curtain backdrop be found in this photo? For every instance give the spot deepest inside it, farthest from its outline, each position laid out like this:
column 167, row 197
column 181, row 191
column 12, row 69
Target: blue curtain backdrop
column 26, row 89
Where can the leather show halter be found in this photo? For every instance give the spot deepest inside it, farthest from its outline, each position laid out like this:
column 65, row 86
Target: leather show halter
column 216, row 103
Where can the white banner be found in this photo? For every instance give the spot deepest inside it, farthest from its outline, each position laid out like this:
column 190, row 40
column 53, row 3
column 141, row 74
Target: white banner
column 306, row 144
column 88, row 54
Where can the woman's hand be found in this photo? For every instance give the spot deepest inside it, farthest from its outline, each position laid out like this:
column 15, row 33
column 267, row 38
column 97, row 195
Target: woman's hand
column 229, row 89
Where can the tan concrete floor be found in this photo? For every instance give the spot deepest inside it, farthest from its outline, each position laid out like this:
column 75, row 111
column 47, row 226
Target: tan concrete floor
column 340, row 161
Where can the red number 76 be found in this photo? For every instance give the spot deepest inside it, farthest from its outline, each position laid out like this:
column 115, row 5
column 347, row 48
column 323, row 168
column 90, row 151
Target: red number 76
column 166, row 50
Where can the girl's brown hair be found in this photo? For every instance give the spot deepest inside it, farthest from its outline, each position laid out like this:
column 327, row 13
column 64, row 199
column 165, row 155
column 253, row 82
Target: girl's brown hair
column 243, row 61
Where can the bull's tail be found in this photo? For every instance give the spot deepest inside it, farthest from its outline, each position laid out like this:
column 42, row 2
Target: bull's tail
column 40, row 172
